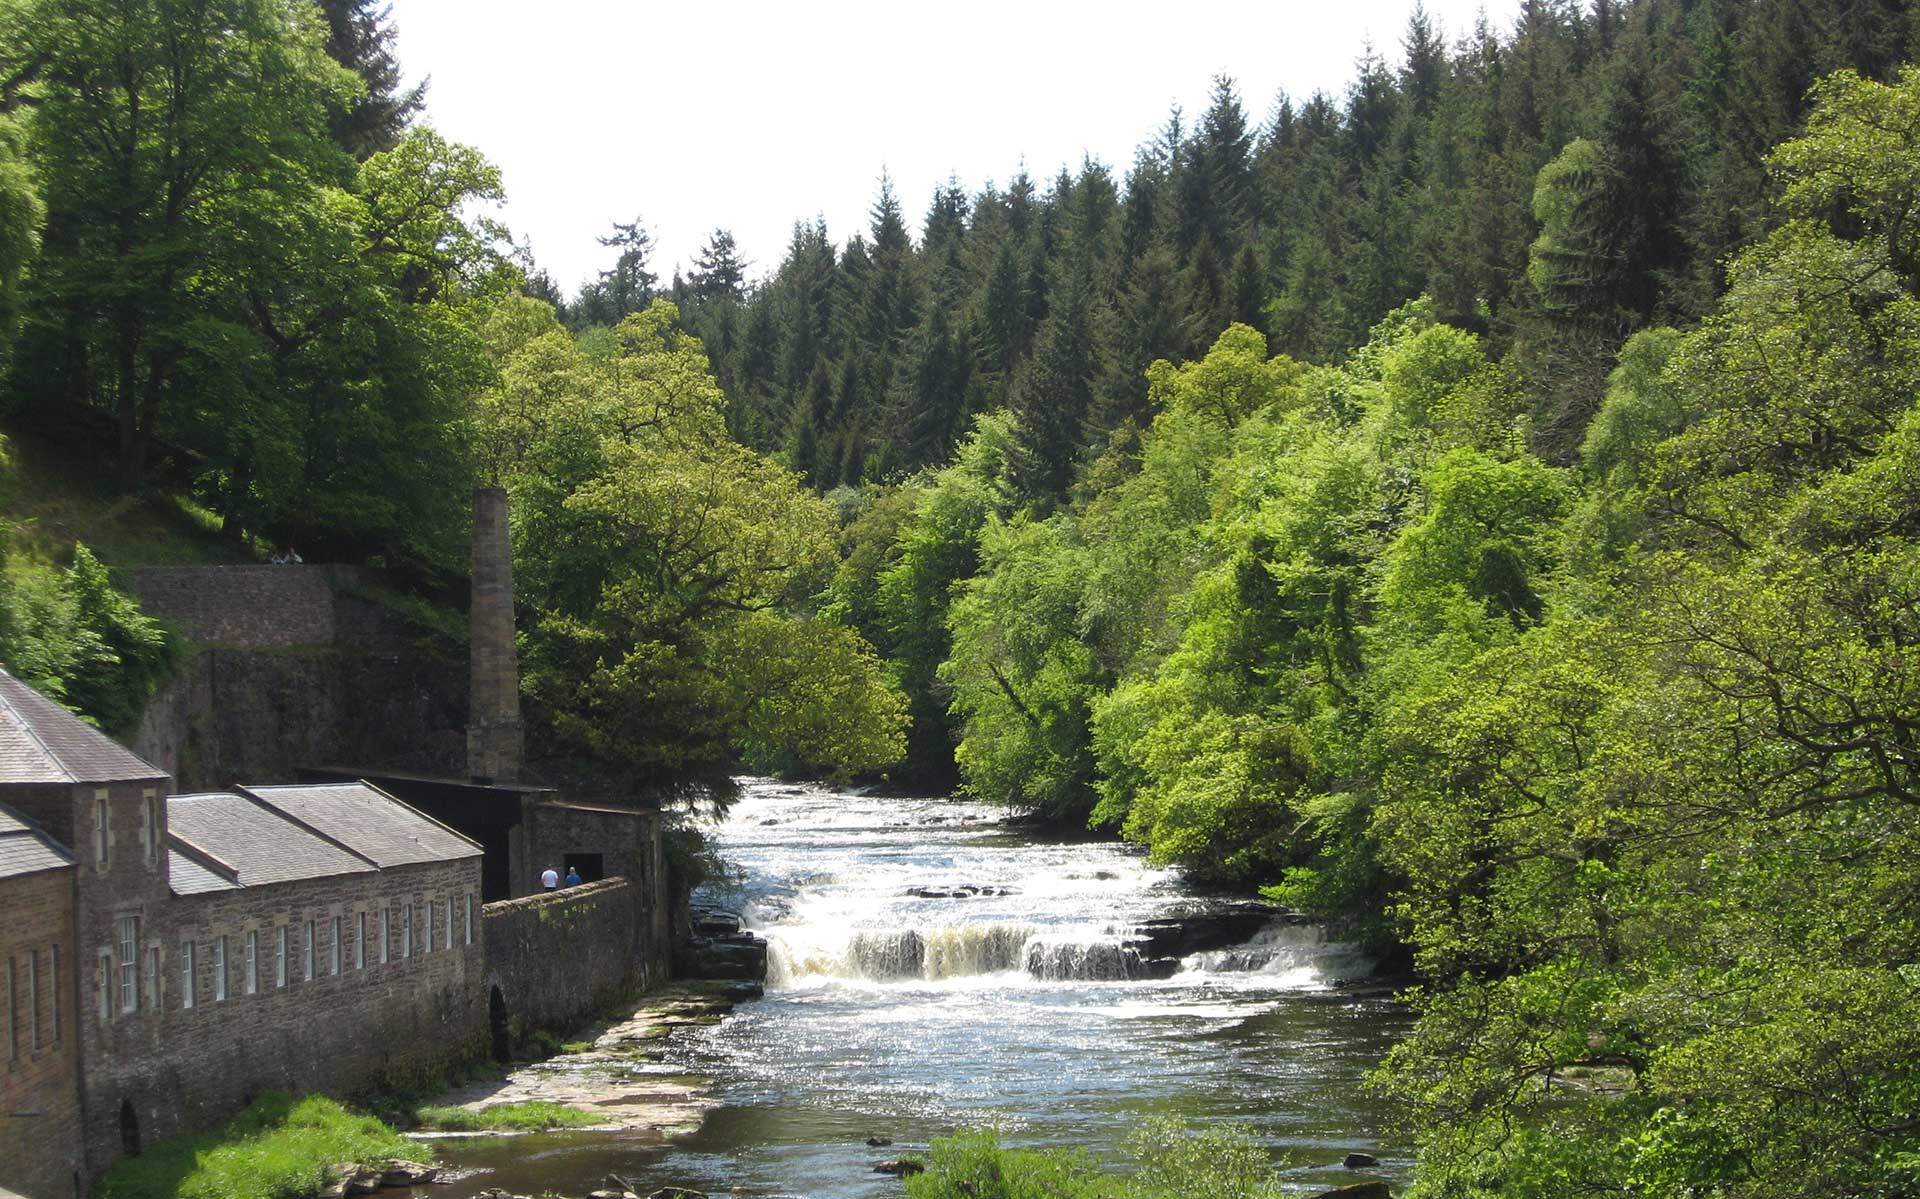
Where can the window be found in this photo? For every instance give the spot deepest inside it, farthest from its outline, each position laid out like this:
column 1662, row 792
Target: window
column 220, row 969
column 129, row 963
column 54, row 978
column 359, row 940
column 153, row 978
column 186, row 974
column 406, row 930
column 385, row 933
column 306, row 959
column 102, row 834
column 105, row 982
column 253, row 962
column 280, row 955
column 13, row 1011
column 150, row 825
column 333, row 949
column 427, row 909
column 33, row 996
column 449, row 922
column 469, row 899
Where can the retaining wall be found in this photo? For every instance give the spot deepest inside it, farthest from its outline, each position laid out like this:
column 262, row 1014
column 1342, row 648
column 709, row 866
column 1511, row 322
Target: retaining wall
column 286, row 671
column 560, row 956
column 255, row 607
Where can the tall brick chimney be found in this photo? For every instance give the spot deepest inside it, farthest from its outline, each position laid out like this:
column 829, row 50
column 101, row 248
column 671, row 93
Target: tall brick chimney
column 495, row 738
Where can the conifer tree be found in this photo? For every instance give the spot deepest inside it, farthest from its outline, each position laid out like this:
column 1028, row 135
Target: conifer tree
column 360, row 37
column 1053, row 396
column 719, row 273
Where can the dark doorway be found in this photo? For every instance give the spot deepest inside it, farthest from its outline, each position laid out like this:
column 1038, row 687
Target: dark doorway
column 497, row 1023
column 592, row 866
column 129, row 1129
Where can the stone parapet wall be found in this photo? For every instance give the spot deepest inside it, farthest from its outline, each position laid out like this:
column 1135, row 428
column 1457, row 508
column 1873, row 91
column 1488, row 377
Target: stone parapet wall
column 560, row 956
column 245, row 607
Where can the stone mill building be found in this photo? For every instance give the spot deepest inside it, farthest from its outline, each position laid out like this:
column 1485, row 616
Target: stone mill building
column 165, row 957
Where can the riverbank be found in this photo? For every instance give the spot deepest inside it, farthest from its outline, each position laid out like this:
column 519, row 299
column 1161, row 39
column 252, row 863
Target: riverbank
column 615, row 1070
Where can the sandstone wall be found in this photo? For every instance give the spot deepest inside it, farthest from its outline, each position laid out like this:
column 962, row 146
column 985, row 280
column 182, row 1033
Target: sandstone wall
column 560, row 956
column 39, row 1076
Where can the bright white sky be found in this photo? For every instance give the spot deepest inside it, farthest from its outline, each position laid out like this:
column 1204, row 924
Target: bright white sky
column 749, row 116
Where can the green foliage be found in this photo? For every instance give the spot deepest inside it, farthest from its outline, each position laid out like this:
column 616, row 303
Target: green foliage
column 228, row 297
column 1021, row 677
column 669, row 568
column 22, row 212
column 1623, row 754
column 1670, row 842
column 276, row 1149
column 533, row 1115
column 70, row 633
column 1171, row 1159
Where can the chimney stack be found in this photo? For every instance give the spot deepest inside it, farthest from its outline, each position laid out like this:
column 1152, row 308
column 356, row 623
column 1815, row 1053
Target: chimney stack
column 495, row 739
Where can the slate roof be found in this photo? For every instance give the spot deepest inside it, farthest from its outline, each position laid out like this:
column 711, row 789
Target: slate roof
column 187, row 876
column 260, row 844
column 24, row 849
column 42, row 742
column 368, row 821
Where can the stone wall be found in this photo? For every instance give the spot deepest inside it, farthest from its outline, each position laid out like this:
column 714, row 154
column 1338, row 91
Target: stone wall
column 560, row 956
column 173, row 1068
column 627, row 841
column 39, row 1060
column 251, row 607
column 232, row 716
column 288, row 667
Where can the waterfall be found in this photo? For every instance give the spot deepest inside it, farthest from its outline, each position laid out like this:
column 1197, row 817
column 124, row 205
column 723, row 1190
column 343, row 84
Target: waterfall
column 1290, row 952
column 883, row 955
column 1099, row 961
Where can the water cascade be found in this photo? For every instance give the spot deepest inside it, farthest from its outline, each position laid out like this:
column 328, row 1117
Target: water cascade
column 930, row 968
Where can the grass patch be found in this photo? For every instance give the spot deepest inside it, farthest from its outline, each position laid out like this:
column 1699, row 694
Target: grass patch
column 533, row 1115
column 576, row 1046
column 275, row 1149
column 55, row 495
column 400, row 1106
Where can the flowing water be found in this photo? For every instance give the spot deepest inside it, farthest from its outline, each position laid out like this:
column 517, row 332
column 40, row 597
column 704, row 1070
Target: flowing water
column 930, row 968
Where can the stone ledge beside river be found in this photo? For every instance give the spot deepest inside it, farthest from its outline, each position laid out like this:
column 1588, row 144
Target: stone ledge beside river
column 620, row 1075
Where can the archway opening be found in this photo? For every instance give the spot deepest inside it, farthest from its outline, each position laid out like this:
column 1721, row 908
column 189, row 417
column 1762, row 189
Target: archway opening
column 129, row 1129
column 497, row 1024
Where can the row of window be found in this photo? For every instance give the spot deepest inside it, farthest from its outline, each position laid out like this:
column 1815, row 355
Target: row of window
column 33, row 992
column 121, row 973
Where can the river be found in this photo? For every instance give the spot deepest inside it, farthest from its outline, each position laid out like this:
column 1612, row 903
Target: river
column 931, row 968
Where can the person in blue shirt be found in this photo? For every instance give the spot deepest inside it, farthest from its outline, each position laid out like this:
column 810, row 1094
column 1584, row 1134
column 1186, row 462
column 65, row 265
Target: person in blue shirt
column 573, row 876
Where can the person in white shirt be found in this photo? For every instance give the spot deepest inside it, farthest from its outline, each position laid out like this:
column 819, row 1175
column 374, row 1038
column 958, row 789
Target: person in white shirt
column 550, row 879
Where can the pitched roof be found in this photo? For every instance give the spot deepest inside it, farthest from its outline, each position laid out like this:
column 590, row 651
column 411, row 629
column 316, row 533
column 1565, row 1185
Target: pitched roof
column 24, row 849
column 42, row 742
column 260, row 844
column 187, row 875
column 367, row 821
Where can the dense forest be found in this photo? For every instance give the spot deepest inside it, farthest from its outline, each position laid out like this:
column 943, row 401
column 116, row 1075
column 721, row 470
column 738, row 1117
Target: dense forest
column 1480, row 506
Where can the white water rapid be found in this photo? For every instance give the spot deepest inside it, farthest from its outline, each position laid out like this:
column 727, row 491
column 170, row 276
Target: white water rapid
column 931, row 968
